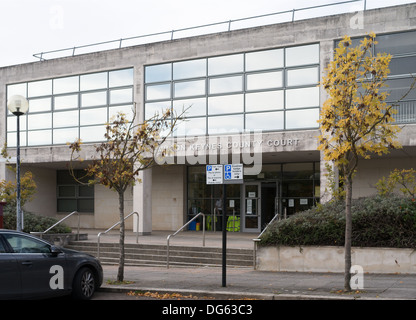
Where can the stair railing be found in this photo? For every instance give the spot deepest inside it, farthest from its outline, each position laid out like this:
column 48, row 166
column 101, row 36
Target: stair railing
column 180, row 229
column 63, row 219
column 113, row 226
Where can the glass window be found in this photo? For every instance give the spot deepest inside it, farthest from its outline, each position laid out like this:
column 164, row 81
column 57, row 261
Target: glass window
column 267, row 80
column 62, row 136
column 189, row 88
column 302, row 55
column 158, row 73
column 191, row 127
column 269, row 100
column 66, row 102
column 193, row 107
column 40, row 88
column 304, row 97
column 403, row 66
column 12, row 139
column 120, row 78
column 226, row 104
column 121, row 96
column 39, row 105
column 306, row 118
column 263, row 60
column 265, row 121
column 396, row 43
column 189, row 69
column 16, row 89
column 300, row 77
column 39, row 121
column 297, row 171
column 12, row 123
column 226, row 64
column 94, row 99
column 65, row 85
column 65, row 119
column 156, row 108
column 92, row 134
column 22, row 244
column 93, row 81
column 397, row 88
column 40, row 137
column 93, row 116
column 226, row 84
column 225, row 124
column 127, row 110
column 158, row 92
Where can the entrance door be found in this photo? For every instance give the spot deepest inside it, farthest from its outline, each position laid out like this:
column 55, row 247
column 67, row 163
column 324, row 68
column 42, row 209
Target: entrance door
column 270, row 201
column 252, row 207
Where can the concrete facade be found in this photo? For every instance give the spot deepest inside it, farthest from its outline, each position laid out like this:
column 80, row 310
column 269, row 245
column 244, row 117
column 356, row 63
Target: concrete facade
column 161, row 198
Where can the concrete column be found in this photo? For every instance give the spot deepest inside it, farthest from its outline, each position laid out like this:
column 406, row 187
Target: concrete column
column 142, row 203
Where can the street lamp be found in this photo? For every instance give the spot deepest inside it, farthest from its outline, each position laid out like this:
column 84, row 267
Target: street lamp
column 18, row 105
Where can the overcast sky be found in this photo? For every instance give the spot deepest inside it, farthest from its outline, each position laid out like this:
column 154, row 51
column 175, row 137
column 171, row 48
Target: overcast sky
column 33, row 26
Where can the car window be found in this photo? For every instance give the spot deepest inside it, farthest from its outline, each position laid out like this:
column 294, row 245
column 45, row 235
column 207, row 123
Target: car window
column 22, row 244
column 2, row 248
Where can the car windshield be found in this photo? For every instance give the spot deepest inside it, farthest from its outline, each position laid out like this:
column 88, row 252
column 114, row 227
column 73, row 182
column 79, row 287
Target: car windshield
column 22, row 244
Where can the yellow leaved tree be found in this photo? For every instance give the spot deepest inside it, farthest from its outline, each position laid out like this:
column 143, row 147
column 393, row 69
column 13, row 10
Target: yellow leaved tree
column 355, row 121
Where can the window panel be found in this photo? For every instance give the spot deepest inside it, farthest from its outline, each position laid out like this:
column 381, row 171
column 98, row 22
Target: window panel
column 191, row 127
column 226, row 104
column 189, row 88
column 39, row 105
column 300, row 77
column 93, row 81
column 226, row 64
column 158, row 92
column 189, row 69
column 94, row 99
column 127, row 110
column 16, row 89
column 304, row 97
column 12, row 139
column 225, row 124
column 65, row 119
column 39, row 88
column 269, row 100
column 12, row 123
column 396, row 43
column 403, row 66
column 62, row 136
column 38, row 138
column 193, row 107
column 267, row 80
column 120, row 78
column 86, row 205
column 302, row 55
column 66, row 102
column 66, row 85
column 270, row 59
column 265, row 121
column 92, row 134
column 226, row 85
column 39, row 121
column 307, row 118
column 67, row 205
column 151, row 109
column 93, row 116
column 121, row 96
column 158, row 73
column 66, row 191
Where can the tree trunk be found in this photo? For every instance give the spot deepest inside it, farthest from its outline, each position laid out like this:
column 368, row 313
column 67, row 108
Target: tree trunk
column 120, row 274
column 348, row 232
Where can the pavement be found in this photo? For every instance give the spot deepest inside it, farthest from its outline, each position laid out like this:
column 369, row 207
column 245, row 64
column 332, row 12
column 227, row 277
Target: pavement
column 247, row 283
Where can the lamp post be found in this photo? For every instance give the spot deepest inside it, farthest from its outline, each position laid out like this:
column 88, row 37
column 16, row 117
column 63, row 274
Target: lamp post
column 18, row 105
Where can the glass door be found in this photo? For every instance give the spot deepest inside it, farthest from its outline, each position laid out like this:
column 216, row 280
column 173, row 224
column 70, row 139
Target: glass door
column 251, row 208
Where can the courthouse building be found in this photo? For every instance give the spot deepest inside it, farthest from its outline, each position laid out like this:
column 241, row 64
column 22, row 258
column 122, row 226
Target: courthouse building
column 252, row 97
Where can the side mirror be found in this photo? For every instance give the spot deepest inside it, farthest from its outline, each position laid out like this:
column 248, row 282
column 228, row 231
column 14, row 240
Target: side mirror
column 55, row 251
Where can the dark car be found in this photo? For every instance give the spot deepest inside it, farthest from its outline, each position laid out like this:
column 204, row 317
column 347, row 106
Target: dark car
column 31, row 268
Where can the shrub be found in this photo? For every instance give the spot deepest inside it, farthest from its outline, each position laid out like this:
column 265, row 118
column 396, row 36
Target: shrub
column 376, row 222
column 33, row 222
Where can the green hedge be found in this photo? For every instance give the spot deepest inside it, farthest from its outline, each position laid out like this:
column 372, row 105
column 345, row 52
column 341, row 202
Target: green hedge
column 33, row 223
column 376, row 222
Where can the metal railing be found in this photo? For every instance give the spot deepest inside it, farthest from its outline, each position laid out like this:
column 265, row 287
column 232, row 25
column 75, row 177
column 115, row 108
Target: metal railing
column 118, row 43
column 63, row 219
column 257, row 240
column 185, row 225
column 113, row 226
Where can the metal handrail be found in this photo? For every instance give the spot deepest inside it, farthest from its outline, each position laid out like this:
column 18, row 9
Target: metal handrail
column 64, row 218
column 228, row 23
column 185, row 225
column 114, row 225
column 257, row 240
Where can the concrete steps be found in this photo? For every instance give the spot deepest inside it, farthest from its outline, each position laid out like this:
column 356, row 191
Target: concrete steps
column 155, row 255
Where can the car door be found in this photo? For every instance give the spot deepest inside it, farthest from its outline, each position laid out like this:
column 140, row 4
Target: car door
column 41, row 271
column 10, row 285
